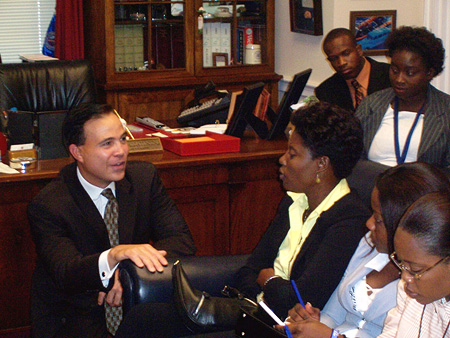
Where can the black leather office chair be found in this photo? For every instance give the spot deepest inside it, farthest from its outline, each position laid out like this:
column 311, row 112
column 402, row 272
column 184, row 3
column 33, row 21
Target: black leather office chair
column 207, row 273
column 41, row 93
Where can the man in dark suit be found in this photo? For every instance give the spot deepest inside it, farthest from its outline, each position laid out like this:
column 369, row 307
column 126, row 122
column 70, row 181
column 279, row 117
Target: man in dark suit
column 76, row 270
column 356, row 76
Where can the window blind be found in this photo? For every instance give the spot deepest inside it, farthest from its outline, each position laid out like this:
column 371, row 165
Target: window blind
column 23, row 26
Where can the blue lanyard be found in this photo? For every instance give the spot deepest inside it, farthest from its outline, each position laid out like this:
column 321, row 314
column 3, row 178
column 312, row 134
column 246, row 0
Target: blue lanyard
column 401, row 158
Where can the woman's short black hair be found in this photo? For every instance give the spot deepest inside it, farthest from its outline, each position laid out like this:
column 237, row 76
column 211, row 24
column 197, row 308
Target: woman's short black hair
column 73, row 125
column 399, row 186
column 428, row 220
column 328, row 130
column 421, row 41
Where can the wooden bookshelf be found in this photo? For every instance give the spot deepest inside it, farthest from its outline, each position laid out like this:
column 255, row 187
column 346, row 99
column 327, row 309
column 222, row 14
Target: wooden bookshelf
column 174, row 48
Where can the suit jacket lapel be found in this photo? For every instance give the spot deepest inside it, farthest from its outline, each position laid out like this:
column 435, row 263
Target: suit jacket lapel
column 315, row 231
column 87, row 208
column 377, row 111
column 127, row 208
column 432, row 124
column 343, row 93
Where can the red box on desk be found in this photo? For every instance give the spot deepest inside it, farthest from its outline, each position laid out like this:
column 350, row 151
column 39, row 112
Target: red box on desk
column 211, row 143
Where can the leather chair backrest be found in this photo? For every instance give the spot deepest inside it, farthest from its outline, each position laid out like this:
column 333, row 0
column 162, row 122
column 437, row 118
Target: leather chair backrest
column 42, row 93
column 364, row 175
column 46, row 86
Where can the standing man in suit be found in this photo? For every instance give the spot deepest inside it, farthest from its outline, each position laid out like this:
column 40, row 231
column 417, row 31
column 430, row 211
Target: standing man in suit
column 77, row 250
column 356, row 76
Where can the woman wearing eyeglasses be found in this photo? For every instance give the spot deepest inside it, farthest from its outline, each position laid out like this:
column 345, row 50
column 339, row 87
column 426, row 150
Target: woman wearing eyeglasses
column 422, row 249
column 359, row 305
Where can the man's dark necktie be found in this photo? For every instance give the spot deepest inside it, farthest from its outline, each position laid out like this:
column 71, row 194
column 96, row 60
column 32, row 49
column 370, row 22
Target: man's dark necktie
column 113, row 314
column 358, row 92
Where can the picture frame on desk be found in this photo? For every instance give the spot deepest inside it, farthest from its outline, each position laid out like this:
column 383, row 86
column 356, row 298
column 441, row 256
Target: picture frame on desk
column 371, row 28
column 245, row 104
column 306, row 16
column 220, row 59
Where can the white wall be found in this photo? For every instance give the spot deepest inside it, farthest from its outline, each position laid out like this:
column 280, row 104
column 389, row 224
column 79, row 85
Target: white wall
column 295, row 52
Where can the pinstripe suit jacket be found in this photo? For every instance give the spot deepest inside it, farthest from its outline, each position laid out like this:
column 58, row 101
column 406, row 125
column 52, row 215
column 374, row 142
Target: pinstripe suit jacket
column 435, row 141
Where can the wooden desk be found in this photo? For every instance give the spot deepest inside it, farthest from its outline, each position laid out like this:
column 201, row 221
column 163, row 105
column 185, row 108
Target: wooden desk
column 228, row 200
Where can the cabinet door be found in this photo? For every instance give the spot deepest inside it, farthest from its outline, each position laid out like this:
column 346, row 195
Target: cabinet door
column 234, row 37
column 206, row 211
column 150, row 37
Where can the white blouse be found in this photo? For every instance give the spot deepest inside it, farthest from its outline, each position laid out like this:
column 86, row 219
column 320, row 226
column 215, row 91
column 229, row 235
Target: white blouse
column 382, row 149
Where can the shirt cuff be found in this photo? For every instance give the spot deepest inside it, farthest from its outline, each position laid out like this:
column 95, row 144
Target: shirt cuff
column 103, row 268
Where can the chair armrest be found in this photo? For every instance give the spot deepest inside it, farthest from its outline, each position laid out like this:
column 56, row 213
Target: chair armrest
column 206, row 273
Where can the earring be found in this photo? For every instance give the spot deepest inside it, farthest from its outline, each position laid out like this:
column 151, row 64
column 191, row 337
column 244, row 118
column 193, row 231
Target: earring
column 317, row 178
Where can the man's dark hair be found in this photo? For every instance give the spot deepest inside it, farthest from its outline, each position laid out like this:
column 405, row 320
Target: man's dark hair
column 420, row 41
column 336, row 33
column 328, row 130
column 73, row 125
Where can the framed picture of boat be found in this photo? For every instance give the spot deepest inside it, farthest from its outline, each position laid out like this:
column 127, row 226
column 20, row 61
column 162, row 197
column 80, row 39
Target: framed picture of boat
column 371, row 29
column 306, row 16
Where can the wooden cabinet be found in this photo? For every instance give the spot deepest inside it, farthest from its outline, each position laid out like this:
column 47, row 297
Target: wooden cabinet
column 227, row 200
column 149, row 56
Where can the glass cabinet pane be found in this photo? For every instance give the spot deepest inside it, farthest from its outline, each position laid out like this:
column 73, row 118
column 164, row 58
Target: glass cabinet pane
column 251, row 33
column 149, row 35
column 234, row 33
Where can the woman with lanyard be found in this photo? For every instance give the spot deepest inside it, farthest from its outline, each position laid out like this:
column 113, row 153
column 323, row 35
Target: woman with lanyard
column 410, row 121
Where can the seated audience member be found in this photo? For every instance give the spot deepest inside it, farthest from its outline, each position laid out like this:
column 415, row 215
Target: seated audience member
column 356, row 76
column 360, row 303
column 422, row 251
column 410, row 121
column 317, row 216
column 81, row 234
column 311, row 240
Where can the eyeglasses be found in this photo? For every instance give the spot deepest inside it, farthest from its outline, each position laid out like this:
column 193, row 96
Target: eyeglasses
column 415, row 275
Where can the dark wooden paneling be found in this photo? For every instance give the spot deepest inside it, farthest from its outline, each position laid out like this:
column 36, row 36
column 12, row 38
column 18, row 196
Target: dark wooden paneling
column 253, row 205
column 205, row 210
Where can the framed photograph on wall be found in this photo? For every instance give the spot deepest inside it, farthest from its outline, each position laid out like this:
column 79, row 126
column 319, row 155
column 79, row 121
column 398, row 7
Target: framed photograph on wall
column 306, row 16
column 371, row 29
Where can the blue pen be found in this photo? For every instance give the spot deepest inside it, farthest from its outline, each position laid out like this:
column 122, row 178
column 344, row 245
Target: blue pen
column 288, row 332
column 300, row 300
